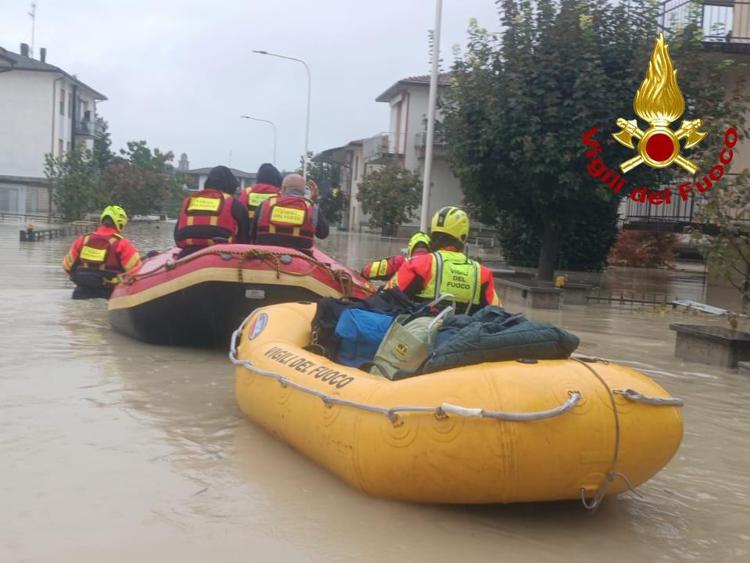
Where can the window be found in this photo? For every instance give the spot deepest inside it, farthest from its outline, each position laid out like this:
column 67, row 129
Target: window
column 62, row 101
column 67, row 146
column 356, row 167
column 59, row 147
column 70, row 105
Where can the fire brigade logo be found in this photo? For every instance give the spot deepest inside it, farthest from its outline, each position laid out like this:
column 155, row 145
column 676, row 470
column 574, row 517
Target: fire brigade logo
column 659, row 102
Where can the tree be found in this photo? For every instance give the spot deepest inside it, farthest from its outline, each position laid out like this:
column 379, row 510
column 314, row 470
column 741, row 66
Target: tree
column 139, row 154
column 333, row 204
column 390, row 196
column 73, row 180
column 726, row 245
column 327, row 175
column 103, row 154
column 520, row 102
column 643, row 249
column 141, row 191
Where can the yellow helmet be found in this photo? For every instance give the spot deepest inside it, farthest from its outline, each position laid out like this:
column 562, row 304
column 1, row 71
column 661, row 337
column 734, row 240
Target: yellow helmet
column 452, row 221
column 117, row 214
column 417, row 238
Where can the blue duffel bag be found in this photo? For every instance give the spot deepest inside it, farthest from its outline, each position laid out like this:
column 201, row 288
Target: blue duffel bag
column 360, row 333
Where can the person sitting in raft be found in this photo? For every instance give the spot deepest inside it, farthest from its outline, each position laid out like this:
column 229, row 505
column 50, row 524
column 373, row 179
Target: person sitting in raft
column 447, row 269
column 383, row 269
column 289, row 219
column 95, row 260
column 267, row 183
column 212, row 215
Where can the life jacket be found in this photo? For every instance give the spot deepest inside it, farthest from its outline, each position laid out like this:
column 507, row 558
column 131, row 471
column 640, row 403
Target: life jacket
column 97, row 264
column 286, row 220
column 454, row 273
column 253, row 196
column 206, row 219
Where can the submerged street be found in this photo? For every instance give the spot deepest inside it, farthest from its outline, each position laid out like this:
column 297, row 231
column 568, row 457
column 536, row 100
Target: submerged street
column 114, row 450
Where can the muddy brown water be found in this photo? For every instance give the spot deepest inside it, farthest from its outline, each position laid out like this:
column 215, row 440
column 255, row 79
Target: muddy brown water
column 112, row 450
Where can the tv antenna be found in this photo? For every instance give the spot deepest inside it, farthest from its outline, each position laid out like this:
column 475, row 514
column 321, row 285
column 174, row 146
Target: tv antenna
column 32, row 13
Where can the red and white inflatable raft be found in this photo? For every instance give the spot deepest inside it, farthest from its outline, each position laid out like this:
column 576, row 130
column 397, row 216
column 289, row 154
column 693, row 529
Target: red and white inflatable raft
column 200, row 299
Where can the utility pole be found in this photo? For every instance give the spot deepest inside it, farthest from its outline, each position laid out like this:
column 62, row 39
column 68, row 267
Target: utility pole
column 424, row 222
column 32, row 13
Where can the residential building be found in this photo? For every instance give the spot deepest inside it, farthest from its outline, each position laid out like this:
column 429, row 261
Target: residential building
column 43, row 110
column 726, row 30
column 408, row 100
column 403, row 144
column 199, row 176
column 351, row 165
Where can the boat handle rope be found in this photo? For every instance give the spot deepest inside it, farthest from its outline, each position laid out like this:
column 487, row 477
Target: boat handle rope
column 342, row 277
column 636, row 397
column 445, row 409
column 441, row 411
column 630, row 395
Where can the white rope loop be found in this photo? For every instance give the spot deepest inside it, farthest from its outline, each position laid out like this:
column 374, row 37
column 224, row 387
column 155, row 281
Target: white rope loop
column 441, row 411
column 636, row 397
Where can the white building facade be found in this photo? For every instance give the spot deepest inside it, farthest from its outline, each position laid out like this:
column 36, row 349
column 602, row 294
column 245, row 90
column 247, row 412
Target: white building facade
column 404, row 144
column 43, row 110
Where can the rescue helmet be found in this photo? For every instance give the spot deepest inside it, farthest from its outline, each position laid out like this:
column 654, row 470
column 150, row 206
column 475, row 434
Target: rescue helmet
column 452, row 221
column 417, row 238
column 116, row 214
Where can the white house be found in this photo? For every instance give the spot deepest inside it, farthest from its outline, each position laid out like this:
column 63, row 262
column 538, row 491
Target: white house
column 408, row 126
column 351, row 165
column 404, row 143
column 43, row 110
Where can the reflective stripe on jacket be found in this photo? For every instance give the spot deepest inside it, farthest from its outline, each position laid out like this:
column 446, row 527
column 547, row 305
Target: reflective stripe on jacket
column 383, row 269
column 286, row 220
column 105, row 250
column 446, row 271
column 206, row 219
column 253, row 196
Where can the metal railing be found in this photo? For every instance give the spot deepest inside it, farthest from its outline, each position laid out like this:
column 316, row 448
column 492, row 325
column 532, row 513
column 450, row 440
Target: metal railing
column 439, row 143
column 723, row 22
column 673, row 216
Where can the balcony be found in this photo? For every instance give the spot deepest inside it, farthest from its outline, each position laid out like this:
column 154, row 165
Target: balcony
column 378, row 149
column 439, row 144
column 88, row 127
column 725, row 23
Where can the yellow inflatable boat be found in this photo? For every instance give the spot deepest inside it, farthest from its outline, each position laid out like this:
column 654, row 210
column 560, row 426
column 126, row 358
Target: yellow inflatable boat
column 488, row 433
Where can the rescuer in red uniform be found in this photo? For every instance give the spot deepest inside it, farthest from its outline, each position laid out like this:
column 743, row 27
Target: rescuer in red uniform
column 267, row 183
column 95, row 260
column 212, row 215
column 383, row 269
column 447, row 269
column 289, row 219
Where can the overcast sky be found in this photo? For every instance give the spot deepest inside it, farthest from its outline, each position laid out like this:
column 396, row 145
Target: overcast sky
column 179, row 73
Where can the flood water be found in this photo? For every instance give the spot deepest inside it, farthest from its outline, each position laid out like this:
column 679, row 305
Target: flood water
column 112, row 450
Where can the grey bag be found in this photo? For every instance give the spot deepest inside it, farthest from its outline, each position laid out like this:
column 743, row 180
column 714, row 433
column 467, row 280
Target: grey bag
column 406, row 345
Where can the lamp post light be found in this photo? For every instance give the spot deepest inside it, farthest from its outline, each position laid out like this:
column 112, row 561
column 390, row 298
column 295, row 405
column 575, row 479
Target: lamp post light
column 273, row 126
column 309, row 88
column 431, row 102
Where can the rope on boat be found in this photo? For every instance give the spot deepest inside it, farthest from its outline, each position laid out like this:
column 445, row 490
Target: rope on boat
column 274, row 259
column 630, row 395
column 441, row 411
column 612, row 474
column 636, row 397
column 448, row 409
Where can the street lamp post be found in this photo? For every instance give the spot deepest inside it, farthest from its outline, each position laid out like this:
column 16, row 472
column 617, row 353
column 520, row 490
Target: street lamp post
column 307, row 120
column 273, row 126
column 431, row 102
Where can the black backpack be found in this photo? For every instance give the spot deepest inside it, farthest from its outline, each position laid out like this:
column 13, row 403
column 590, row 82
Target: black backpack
column 324, row 340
